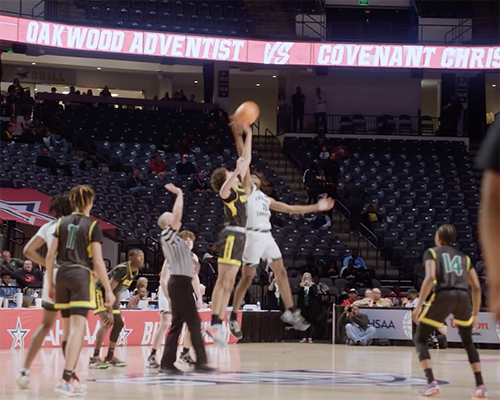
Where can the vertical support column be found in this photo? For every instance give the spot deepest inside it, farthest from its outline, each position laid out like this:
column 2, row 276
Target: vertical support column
column 221, row 87
column 165, row 85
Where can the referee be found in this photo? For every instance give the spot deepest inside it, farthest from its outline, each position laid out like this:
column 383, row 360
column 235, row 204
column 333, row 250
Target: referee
column 177, row 283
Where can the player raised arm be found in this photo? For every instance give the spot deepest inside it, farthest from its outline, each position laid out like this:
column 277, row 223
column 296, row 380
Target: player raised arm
column 225, row 190
column 426, row 289
column 178, row 206
column 476, row 293
column 244, row 150
column 322, row 205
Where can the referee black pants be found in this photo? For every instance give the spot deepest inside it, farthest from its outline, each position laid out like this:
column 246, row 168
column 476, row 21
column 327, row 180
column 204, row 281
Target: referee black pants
column 184, row 310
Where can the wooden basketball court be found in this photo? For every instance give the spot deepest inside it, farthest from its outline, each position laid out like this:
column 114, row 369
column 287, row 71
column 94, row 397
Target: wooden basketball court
column 289, row 371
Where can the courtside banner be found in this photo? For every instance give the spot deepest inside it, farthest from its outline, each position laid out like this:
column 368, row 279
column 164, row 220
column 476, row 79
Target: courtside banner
column 393, row 324
column 17, row 326
column 29, row 206
column 159, row 44
column 487, row 332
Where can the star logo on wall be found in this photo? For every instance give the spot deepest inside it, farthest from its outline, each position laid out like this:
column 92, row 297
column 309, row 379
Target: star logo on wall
column 122, row 339
column 18, row 335
column 27, row 211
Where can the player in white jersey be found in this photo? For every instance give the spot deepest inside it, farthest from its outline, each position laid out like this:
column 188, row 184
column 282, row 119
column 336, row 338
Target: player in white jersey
column 260, row 244
column 60, row 207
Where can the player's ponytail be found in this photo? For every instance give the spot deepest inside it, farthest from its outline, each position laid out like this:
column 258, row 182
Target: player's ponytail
column 81, row 196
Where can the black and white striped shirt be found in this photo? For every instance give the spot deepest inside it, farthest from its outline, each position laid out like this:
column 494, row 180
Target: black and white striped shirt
column 177, row 253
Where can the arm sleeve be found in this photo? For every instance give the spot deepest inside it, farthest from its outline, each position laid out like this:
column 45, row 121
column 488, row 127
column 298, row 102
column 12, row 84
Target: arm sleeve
column 489, row 155
column 361, row 320
column 96, row 233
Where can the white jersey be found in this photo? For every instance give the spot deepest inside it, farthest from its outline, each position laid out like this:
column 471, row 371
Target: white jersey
column 258, row 211
column 46, row 232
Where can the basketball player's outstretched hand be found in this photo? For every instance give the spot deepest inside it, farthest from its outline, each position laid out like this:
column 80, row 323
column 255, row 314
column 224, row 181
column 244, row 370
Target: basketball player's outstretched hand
column 326, row 204
column 110, row 299
column 173, row 189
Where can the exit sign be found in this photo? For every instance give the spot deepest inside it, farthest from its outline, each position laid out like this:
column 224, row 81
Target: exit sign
column 364, row 2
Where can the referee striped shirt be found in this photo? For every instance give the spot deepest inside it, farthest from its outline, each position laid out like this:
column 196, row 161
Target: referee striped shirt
column 177, row 253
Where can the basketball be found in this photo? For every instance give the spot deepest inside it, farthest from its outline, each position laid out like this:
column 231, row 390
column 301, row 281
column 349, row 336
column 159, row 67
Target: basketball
column 247, row 113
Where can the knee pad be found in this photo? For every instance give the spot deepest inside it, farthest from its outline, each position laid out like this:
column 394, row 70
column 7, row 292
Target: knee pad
column 117, row 327
column 470, row 348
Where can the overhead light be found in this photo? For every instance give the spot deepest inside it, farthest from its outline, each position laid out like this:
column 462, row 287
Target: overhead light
column 36, row 90
column 33, row 63
column 65, row 92
column 98, row 67
column 257, row 84
column 114, row 94
column 274, row 76
column 195, row 82
column 493, row 85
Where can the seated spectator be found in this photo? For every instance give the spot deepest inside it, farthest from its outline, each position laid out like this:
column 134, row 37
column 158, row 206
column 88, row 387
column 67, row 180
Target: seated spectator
column 363, row 279
column 50, row 142
column 8, row 263
column 378, row 301
column 273, row 295
column 211, row 255
column 321, row 221
column 411, row 299
column 7, row 279
column 310, row 266
column 105, row 92
column 331, row 270
column 213, row 144
column 182, row 96
column 142, row 294
column 88, row 162
column 396, row 296
column 341, row 153
column 349, row 272
column 157, row 165
column 370, row 216
column 136, row 183
column 356, row 326
column 192, row 99
column 323, row 155
column 46, row 161
column 185, row 145
column 308, row 303
column 7, row 133
column 28, row 276
column 199, row 183
column 166, row 97
column 366, row 301
column 322, row 286
column 352, row 296
column 358, row 261
column 166, row 146
column 185, row 167
column 38, row 128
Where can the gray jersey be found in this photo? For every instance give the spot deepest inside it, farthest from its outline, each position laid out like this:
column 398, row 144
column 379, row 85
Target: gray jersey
column 177, row 253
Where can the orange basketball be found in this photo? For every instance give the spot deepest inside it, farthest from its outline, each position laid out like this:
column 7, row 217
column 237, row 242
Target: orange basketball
column 247, row 113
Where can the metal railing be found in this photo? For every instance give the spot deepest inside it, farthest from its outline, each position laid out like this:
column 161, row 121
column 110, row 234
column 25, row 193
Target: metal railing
column 371, row 240
column 458, row 31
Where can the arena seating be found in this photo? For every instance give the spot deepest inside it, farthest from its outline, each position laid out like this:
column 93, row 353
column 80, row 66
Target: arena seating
column 416, row 185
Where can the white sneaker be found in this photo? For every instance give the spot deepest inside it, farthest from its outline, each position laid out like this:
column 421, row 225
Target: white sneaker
column 216, row 332
column 295, row 319
column 23, row 378
column 234, row 327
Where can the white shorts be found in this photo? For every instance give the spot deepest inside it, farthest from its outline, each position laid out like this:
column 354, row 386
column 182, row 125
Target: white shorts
column 163, row 304
column 260, row 246
column 47, row 302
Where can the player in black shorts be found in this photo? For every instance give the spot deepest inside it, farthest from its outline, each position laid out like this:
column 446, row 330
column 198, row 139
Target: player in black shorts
column 77, row 243
column 233, row 193
column 449, row 272
column 121, row 277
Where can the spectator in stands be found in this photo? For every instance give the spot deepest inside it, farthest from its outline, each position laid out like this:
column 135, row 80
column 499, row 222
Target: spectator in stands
column 185, row 167
column 320, row 220
column 38, row 128
column 378, row 301
column 363, row 279
column 312, row 183
column 341, row 153
column 349, row 272
column 355, row 195
column 298, row 102
column 308, row 303
column 166, row 146
column 451, row 115
column 208, row 269
column 8, row 263
column 142, row 294
column 356, row 326
column 192, row 99
column 273, row 294
column 411, row 299
column 320, row 111
column 211, row 255
column 282, row 113
column 28, row 103
column 370, row 216
column 136, row 182
column 88, row 162
column 16, row 93
column 331, row 169
column 157, row 165
column 105, row 92
column 367, row 300
column 352, row 297
column 7, row 279
column 28, row 276
column 396, row 296
column 8, row 133
column 46, row 161
column 185, row 145
column 310, row 266
column 358, row 261
column 331, row 270
column 324, row 155
column 166, row 97
column 200, row 184
column 322, row 286
column 50, row 142
column 182, row 97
